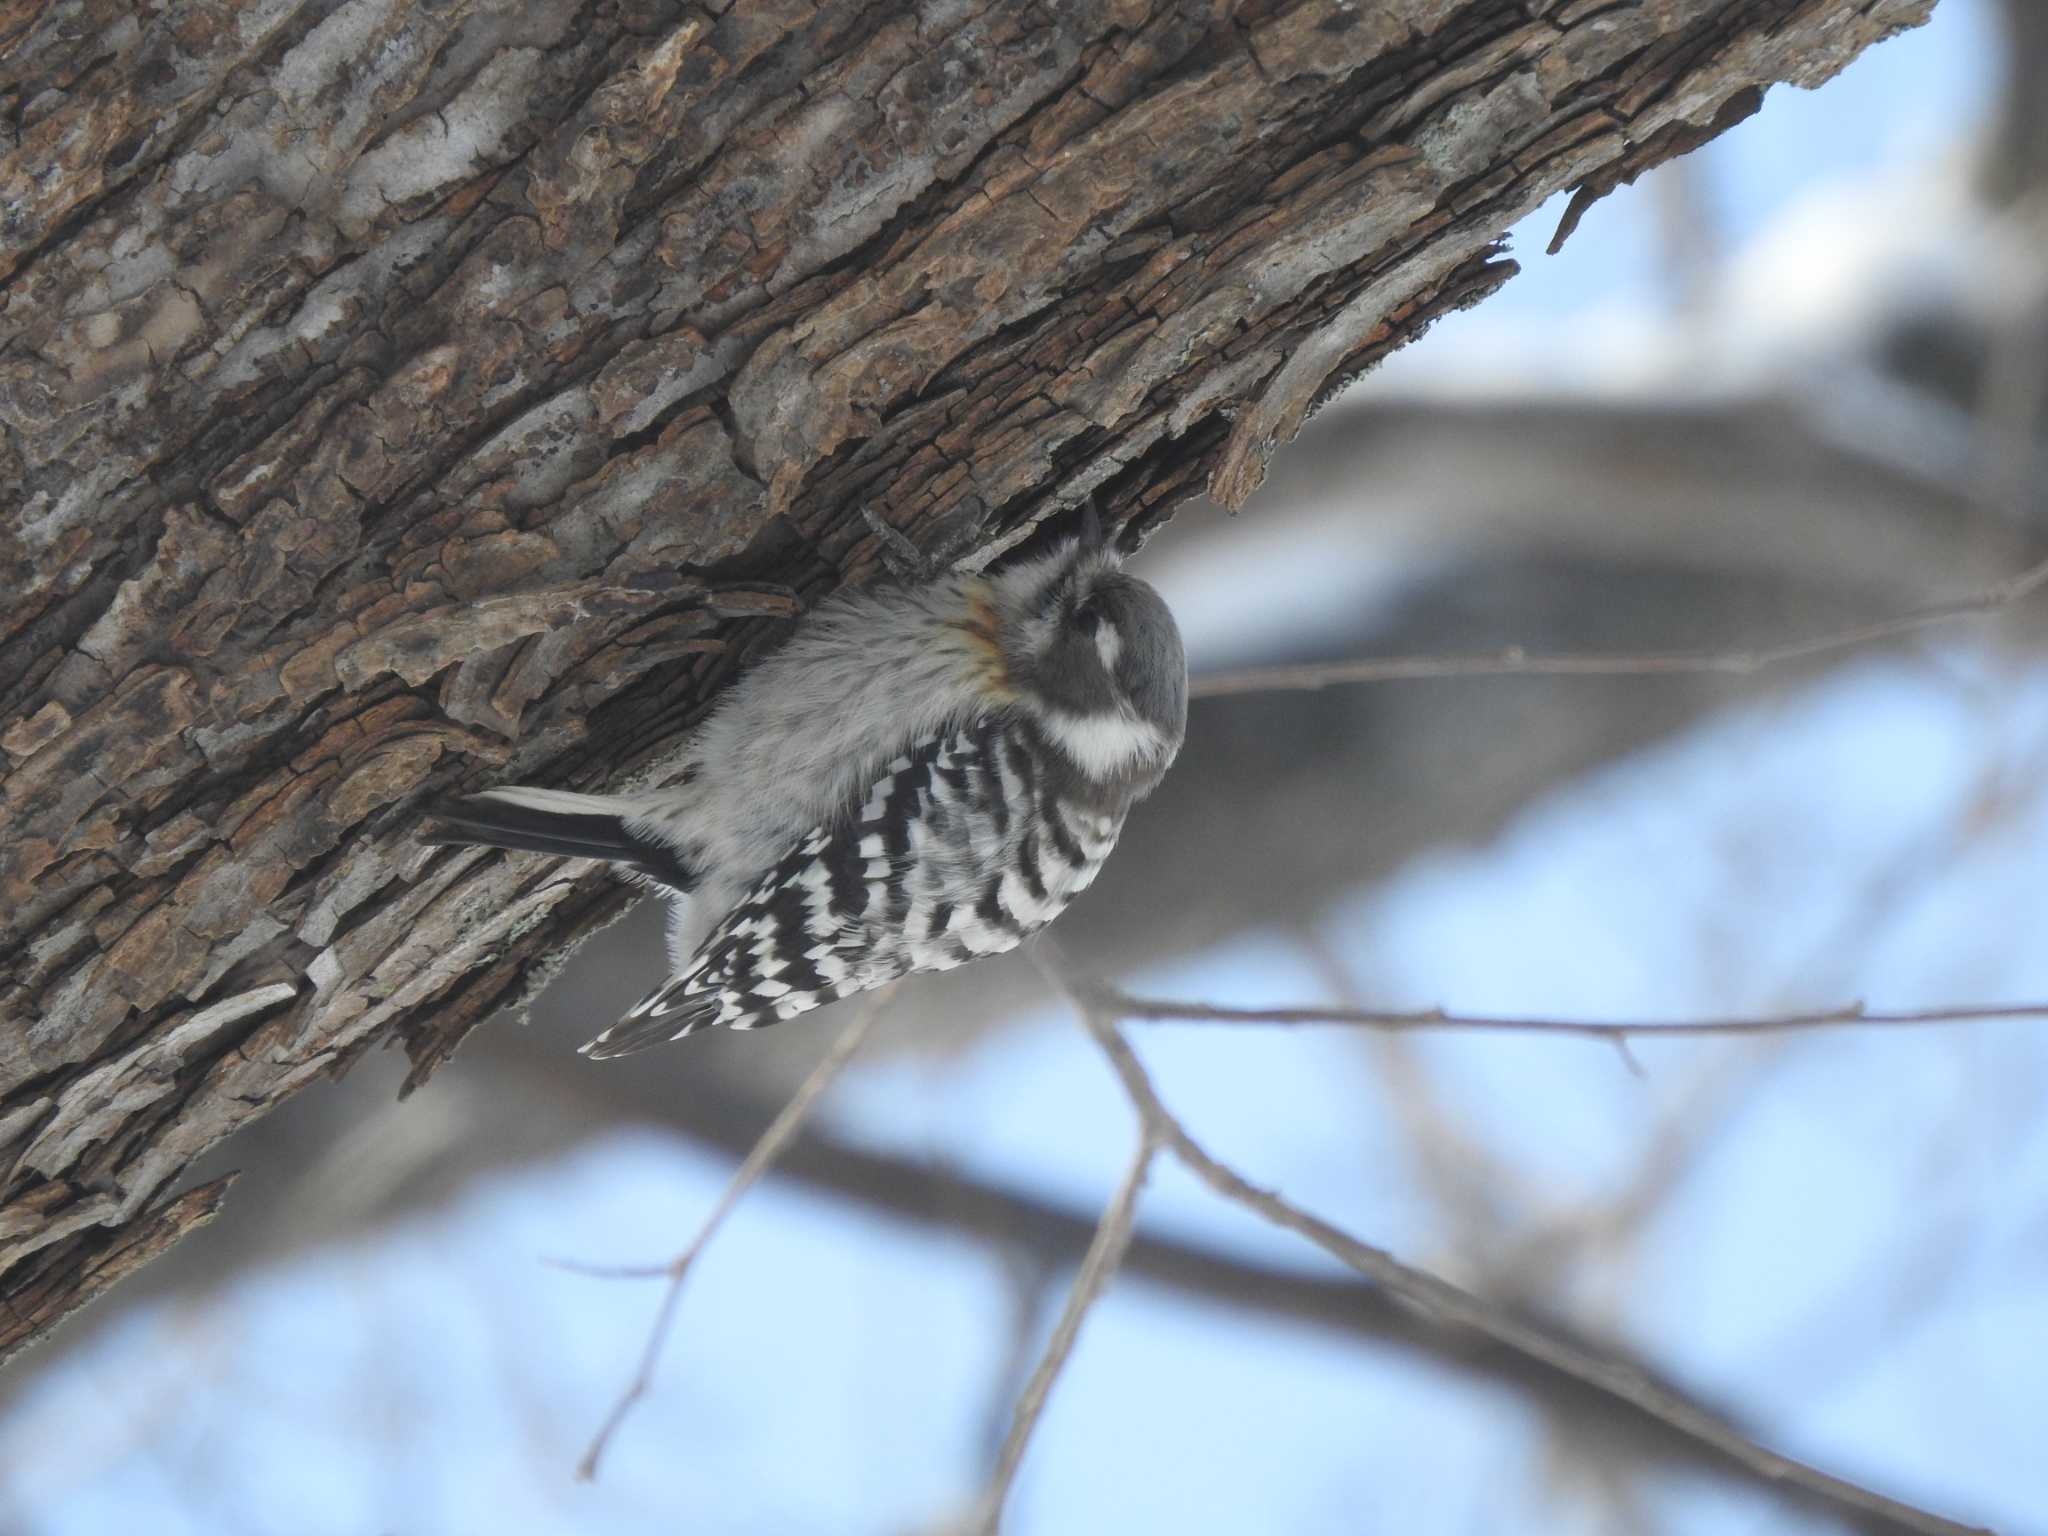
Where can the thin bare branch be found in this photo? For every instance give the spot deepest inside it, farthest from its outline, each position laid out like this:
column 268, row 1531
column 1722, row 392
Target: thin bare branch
column 1448, row 1304
column 1514, row 661
column 1451, row 1306
column 725, row 1117
column 1150, row 1010
column 781, row 1130
column 1105, row 1254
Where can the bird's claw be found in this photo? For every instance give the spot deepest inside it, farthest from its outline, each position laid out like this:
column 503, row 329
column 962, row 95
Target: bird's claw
column 907, row 563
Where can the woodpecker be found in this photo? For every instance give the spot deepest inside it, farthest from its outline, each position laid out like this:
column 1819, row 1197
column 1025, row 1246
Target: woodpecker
column 925, row 773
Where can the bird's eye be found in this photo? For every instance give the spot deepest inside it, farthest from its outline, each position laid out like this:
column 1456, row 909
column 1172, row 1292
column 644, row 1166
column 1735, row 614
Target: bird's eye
column 1088, row 614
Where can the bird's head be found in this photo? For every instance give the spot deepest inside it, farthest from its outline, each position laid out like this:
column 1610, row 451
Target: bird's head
column 1095, row 659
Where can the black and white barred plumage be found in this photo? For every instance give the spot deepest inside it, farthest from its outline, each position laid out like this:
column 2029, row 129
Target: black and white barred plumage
column 919, row 777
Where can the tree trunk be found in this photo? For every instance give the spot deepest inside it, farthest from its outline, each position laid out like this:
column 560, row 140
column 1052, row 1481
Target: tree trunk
column 404, row 396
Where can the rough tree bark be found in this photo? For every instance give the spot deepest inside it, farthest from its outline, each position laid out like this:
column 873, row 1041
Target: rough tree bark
column 403, row 395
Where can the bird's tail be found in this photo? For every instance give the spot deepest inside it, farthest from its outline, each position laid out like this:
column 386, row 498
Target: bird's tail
column 555, row 821
column 670, row 1012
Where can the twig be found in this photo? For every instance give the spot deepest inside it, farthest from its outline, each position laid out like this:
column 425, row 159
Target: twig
column 1850, row 1015
column 926, row 1196
column 1514, row 661
column 1449, row 1305
column 1446, row 1303
column 1028, row 1282
column 1105, row 1253
column 778, row 1134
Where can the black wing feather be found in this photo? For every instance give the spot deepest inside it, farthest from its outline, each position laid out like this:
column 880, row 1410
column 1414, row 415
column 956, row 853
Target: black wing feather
column 487, row 822
column 662, row 1016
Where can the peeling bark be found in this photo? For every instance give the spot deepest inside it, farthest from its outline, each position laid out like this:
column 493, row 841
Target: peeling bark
column 399, row 397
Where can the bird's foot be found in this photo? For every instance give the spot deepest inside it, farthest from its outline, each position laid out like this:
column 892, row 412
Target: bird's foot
column 914, row 566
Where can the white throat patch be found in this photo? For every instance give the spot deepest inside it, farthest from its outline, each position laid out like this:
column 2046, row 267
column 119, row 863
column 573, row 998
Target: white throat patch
column 1101, row 745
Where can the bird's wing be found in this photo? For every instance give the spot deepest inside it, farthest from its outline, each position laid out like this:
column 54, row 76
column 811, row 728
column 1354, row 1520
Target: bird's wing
column 939, row 865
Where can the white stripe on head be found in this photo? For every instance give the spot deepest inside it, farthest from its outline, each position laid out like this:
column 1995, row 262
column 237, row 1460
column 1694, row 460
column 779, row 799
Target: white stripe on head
column 1101, row 745
column 1108, row 645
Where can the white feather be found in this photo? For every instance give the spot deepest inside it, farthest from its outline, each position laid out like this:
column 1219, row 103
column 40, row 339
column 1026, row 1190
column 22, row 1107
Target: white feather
column 557, row 802
column 1102, row 745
